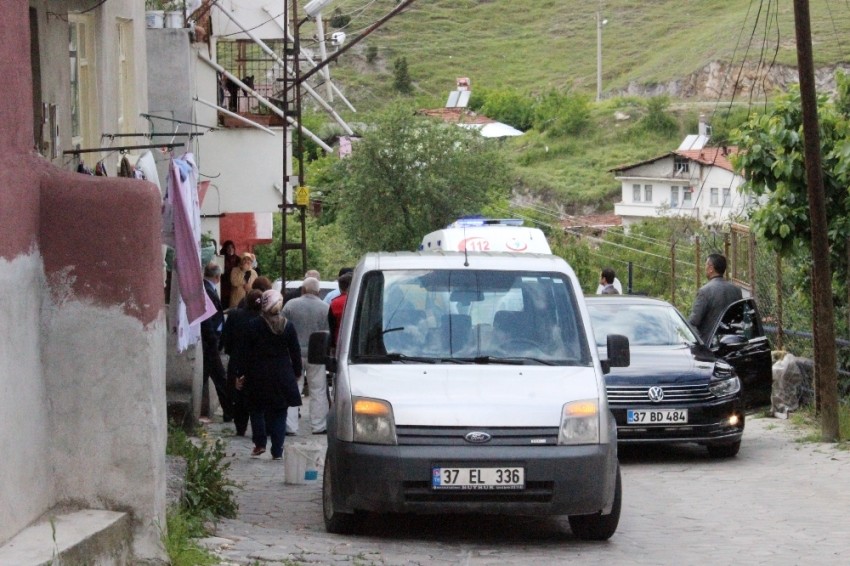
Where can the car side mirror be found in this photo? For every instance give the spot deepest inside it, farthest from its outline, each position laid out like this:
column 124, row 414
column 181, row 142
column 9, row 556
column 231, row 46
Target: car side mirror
column 319, row 350
column 619, row 355
column 730, row 342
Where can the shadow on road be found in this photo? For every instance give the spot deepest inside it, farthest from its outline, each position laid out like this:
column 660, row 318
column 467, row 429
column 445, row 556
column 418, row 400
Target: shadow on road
column 483, row 529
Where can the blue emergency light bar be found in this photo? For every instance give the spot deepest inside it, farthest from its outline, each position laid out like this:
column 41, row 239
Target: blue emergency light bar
column 473, row 221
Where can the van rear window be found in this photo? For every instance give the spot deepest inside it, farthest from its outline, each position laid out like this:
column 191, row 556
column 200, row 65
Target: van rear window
column 464, row 316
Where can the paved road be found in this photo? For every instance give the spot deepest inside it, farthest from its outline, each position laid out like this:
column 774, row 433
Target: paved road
column 778, row 502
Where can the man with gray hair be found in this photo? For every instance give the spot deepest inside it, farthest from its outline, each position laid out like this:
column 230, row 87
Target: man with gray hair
column 309, row 314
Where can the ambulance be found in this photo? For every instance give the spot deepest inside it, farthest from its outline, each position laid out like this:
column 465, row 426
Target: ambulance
column 476, row 234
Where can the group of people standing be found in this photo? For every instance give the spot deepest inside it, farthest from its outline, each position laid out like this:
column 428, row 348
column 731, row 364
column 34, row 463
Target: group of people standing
column 266, row 341
column 711, row 301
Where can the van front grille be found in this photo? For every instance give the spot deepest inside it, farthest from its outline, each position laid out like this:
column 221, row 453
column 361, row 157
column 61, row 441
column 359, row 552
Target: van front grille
column 457, row 436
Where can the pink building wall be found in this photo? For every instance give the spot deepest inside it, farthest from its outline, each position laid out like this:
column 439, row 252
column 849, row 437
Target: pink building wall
column 82, row 328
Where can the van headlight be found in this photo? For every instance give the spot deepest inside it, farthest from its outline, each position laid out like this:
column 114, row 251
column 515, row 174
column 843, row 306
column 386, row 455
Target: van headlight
column 373, row 422
column 580, row 423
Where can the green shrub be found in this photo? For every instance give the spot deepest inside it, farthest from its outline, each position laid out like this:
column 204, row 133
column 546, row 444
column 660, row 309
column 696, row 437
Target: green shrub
column 401, row 76
column 657, row 119
column 178, row 442
column 179, row 539
column 371, row 53
column 561, row 114
column 208, row 489
column 509, row 107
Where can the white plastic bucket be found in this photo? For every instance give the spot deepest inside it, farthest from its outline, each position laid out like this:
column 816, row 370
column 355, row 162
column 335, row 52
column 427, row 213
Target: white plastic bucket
column 154, row 18
column 301, row 463
column 174, row 19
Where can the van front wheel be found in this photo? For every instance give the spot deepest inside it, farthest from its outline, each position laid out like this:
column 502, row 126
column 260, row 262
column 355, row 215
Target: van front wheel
column 598, row 526
column 335, row 522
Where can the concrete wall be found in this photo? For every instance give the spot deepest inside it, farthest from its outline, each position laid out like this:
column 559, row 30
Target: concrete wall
column 82, row 333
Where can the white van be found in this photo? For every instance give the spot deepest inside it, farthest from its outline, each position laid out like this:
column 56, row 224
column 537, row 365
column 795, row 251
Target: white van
column 469, row 383
column 486, row 235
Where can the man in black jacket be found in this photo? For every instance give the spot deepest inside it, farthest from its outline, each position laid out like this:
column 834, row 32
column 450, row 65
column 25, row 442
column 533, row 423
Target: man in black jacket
column 714, row 297
column 210, row 335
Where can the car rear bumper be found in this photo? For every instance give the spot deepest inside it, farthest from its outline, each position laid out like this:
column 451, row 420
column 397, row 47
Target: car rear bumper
column 559, row 480
column 707, row 424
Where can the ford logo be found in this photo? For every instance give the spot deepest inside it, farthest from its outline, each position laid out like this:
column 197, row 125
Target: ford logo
column 477, row 437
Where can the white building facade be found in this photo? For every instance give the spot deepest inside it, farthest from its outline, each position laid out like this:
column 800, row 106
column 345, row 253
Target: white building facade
column 695, row 183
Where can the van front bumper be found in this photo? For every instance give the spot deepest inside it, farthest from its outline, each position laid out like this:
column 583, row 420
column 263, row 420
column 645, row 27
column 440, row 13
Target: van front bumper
column 559, row 480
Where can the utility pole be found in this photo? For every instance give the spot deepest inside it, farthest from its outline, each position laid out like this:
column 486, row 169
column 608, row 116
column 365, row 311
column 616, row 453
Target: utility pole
column 291, row 97
column 599, row 23
column 294, row 84
column 823, row 317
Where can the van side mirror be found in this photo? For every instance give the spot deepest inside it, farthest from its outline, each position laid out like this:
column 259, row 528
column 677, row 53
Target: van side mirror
column 319, row 350
column 619, row 355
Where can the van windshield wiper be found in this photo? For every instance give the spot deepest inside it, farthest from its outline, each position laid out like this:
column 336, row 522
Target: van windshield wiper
column 512, row 360
column 395, row 357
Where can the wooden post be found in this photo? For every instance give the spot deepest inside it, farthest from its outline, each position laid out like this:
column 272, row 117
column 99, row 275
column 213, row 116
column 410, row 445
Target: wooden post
column 751, row 265
column 780, row 332
column 673, row 272
column 823, row 317
column 699, row 262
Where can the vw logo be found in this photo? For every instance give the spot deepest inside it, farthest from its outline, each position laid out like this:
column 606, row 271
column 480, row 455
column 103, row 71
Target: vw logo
column 656, row 394
column 477, row 437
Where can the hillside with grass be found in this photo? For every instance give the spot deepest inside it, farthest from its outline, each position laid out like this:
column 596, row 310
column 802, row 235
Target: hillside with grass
column 707, row 55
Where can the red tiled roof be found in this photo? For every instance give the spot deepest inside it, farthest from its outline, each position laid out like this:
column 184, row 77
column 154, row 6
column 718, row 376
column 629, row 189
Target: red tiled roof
column 717, row 156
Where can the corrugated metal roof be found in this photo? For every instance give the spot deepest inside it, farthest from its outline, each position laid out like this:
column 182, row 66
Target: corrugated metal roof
column 693, row 141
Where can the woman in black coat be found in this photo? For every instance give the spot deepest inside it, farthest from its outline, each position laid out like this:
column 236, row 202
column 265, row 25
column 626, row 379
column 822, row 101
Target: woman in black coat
column 273, row 361
column 234, row 341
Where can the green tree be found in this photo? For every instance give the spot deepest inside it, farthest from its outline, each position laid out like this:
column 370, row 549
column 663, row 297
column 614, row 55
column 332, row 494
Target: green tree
column 401, row 76
column 771, row 161
column 657, row 119
column 561, row 114
column 510, row 107
column 339, row 20
column 410, row 175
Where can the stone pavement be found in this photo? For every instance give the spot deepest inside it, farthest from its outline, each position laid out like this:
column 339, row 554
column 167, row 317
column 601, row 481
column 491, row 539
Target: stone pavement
column 779, row 502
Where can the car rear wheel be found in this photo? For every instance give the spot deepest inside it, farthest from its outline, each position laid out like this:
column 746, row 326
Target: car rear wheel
column 724, row 450
column 598, row 526
column 335, row 522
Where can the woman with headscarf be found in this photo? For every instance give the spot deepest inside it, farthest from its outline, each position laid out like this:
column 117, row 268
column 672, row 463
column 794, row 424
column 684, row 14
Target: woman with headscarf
column 231, row 260
column 273, row 361
column 242, row 278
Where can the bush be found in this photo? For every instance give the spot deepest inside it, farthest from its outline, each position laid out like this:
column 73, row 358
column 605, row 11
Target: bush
column 509, row 107
column 401, row 76
column 208, row 489
column 208, row 495
column 371, row 53
column 179, row 543
column 657, row 120
column 562, row 114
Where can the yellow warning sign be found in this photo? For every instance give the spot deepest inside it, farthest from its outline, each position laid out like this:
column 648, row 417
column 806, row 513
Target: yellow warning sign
column 302, row 196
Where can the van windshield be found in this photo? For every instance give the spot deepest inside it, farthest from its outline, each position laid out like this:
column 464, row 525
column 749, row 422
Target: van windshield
column 464, row 316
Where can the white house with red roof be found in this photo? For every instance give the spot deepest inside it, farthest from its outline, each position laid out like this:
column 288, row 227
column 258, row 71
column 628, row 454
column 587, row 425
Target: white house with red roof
column 694, row 181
